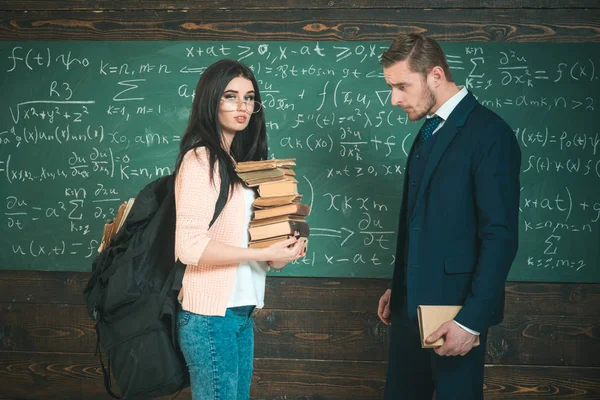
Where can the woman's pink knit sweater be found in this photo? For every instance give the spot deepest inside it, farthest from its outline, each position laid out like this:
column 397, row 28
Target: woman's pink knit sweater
column 206, row 288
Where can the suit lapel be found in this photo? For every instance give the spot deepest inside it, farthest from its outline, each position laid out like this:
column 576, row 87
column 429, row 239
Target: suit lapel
column 445, row 135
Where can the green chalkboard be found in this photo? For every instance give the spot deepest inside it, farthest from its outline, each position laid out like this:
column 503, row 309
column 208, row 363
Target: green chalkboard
column 84, row 125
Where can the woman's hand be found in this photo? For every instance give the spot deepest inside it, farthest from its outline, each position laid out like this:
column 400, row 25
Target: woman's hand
column 281, row 253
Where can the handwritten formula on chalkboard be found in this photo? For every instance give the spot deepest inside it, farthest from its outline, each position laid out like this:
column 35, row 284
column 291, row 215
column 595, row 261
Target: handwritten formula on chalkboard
column 85, row 125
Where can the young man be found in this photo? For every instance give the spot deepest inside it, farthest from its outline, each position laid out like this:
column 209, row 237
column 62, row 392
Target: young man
column 457, row 234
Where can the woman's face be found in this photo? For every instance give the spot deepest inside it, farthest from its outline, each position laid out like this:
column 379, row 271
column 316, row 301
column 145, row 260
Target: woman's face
column 236, row 106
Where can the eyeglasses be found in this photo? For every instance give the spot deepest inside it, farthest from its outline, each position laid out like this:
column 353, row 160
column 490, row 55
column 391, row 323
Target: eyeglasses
column 232, row 104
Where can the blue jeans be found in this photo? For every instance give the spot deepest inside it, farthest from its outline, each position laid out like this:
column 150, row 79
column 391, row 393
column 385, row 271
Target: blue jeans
column 219, row 352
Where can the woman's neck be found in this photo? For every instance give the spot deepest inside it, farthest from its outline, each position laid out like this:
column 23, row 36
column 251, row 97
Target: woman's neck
column 227, row 139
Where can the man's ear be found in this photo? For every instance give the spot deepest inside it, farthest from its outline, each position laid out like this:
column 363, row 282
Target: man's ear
column 437, row 76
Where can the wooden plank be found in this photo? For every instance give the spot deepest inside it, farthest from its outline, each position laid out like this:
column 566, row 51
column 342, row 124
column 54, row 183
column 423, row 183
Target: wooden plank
column 290, row 379
column 335, row 380
column 344, row 294
column 322, row 335
column 522, row 25
column 279, row 334
column 51, row 376
column 56, row 287
column 553, row 299
column 61, row 287
column 68, row 376
column 78, row 376
column 514, row 382
column 545, row 340
column 32, row 5
column 574, row 299
column 46, row 328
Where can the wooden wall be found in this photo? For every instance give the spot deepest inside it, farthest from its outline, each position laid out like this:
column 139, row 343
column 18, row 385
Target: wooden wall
column 319, row 339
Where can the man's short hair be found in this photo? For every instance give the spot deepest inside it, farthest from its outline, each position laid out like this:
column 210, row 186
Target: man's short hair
column 422, row 53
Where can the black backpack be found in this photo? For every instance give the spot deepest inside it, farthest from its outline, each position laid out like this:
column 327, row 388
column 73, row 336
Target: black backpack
column 132, row 296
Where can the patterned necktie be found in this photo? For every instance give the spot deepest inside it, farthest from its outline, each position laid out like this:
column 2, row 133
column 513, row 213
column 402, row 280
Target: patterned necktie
column 428, row 127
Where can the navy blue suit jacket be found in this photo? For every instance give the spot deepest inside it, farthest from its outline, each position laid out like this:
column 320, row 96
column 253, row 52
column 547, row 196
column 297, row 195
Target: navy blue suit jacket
column 458, row 243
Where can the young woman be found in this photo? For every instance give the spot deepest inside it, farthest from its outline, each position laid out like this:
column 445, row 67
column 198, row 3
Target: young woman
column 224, row 280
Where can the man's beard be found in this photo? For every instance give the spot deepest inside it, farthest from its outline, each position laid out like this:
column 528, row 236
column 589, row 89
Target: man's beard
column 429, row 100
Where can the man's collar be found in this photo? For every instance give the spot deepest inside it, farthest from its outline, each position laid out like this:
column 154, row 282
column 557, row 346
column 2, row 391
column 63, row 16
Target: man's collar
column 446, row 109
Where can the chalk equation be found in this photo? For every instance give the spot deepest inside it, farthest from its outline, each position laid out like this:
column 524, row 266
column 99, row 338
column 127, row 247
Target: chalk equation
column 86, row 125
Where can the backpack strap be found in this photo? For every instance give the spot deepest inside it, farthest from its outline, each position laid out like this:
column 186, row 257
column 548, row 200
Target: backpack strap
column 223, row 194
column 105, row 370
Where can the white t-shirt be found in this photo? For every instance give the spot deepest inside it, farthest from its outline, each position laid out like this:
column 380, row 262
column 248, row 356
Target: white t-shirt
column 249, row 286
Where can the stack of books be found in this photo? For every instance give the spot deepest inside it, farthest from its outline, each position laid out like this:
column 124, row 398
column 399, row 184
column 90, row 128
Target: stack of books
column 112, row 227
column 278, row 211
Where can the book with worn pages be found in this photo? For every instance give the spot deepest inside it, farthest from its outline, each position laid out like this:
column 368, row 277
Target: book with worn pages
column 259, row 244
column 112, row 227
column 246, row 166
column 286, row 209
column 278, row 188
column 275, row 220
column 262, row 243
column 431, row 318
column 286, row 227
column 263, row 202
column 255, row 178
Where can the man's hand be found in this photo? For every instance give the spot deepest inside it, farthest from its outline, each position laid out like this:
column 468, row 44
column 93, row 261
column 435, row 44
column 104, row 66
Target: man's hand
column 458, row 341
column 384, row 307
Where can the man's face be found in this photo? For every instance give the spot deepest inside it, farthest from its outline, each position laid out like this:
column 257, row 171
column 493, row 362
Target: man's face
column 410, row 90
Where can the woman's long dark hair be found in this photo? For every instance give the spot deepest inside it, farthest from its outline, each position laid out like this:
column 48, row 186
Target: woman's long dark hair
column 204, row 127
